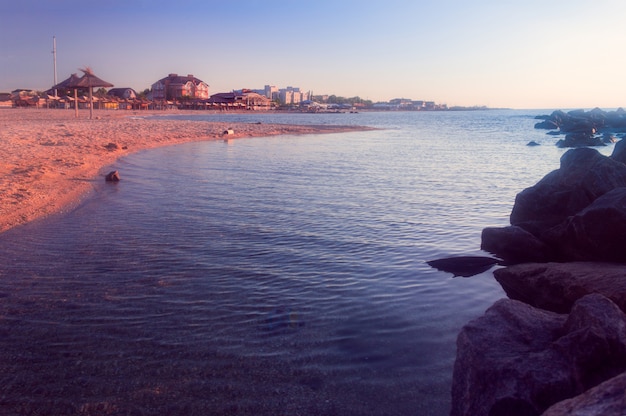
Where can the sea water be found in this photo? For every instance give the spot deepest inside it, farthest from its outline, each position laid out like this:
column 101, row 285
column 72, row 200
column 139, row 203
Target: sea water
column 266, row 276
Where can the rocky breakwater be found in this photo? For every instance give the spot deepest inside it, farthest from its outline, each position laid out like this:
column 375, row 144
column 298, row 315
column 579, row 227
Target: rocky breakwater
column 557, row 346
column 592, row 128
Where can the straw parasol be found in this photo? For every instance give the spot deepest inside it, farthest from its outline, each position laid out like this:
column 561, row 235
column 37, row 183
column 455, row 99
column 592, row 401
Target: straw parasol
column 70, row 84
column 90, row 80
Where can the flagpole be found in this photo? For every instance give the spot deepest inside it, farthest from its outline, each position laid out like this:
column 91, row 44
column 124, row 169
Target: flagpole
column 54, row 59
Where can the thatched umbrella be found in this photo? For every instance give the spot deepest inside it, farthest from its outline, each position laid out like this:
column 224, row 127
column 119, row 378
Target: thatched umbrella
column 89, row 80
column 70, row 84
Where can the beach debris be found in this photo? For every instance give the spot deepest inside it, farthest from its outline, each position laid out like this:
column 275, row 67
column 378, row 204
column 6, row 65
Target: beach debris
column 113, row 176
column 228, row 132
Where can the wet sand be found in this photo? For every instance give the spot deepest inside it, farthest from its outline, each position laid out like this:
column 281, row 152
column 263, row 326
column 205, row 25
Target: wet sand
column 49, row 158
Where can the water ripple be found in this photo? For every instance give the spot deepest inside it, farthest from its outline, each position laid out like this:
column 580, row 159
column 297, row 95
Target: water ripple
column 215, row 275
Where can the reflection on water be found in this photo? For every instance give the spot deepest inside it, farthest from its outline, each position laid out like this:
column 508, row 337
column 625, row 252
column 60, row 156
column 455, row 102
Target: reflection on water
column 279, row 275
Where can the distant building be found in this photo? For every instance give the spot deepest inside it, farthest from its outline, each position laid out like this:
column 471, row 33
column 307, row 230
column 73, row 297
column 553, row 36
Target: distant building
column 292, row 95
column 123, row 93
column 242, row 99
column 174, row 87
column 271, row 92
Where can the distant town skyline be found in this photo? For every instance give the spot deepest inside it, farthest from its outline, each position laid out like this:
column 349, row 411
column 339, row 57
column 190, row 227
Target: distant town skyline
column 532, row 54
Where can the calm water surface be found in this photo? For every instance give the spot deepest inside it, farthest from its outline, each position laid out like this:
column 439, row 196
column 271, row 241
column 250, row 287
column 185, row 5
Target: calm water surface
column 280, row 275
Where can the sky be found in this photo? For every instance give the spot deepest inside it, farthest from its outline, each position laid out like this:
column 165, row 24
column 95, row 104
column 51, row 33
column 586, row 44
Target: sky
column 555, row 54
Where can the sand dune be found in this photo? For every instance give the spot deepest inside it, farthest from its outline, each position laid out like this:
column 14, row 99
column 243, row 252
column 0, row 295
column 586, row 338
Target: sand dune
column 49, row 158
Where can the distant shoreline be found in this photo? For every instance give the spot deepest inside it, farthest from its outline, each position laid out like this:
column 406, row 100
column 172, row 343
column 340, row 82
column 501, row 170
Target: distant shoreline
column 50, row 158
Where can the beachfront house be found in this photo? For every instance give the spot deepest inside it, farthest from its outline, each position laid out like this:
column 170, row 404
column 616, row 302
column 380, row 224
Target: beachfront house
column 176, row 87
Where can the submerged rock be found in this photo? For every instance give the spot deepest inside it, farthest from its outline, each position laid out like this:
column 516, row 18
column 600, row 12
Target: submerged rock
column 465, row 266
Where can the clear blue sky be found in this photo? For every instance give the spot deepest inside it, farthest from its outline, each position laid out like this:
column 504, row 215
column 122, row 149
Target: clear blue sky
column 518, row 54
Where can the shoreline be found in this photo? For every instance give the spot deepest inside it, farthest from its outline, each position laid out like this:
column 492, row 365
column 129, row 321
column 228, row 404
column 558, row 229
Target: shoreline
column 50, row 159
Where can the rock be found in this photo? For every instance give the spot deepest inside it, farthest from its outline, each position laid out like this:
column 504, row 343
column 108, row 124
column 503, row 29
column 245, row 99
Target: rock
column 609, row 138
column 594, row 341
column 616, row 119
column 519, row 360
column 604, row 399
column 532, row 143
column 514, row 245
column 547, row 125
column 112, row 146
column 465, row 266
column 557, row 286
column 575, row 213
column 580, row 139
column 113, row 176
column 584, row 175
column 493, row 344
column 579, row 121
column 597, row 233
column 619, row 151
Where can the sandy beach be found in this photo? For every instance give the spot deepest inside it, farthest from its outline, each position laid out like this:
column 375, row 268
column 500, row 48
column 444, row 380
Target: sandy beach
column 49, row 158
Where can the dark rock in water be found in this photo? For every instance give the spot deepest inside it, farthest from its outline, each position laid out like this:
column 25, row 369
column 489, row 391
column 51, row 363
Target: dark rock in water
column 514, row 245
column 465, row 266
column 597, row 233
column 532, row 143
column 557, row 286
column 605, row 399
column 584, row 176
column 578, row 125
column 569, row 213
column 580, row 139
column 547, row 124
column 113, row 176
column 517, row 359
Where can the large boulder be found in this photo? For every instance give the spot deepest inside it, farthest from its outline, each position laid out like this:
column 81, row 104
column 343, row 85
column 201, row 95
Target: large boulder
column 519, row 360
column 514, row 245
column 557, row 286
column 597, row 233
column 547, row 125
column 581, row 139
column 605, row 399
column 584, row 176
column 616, row 119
